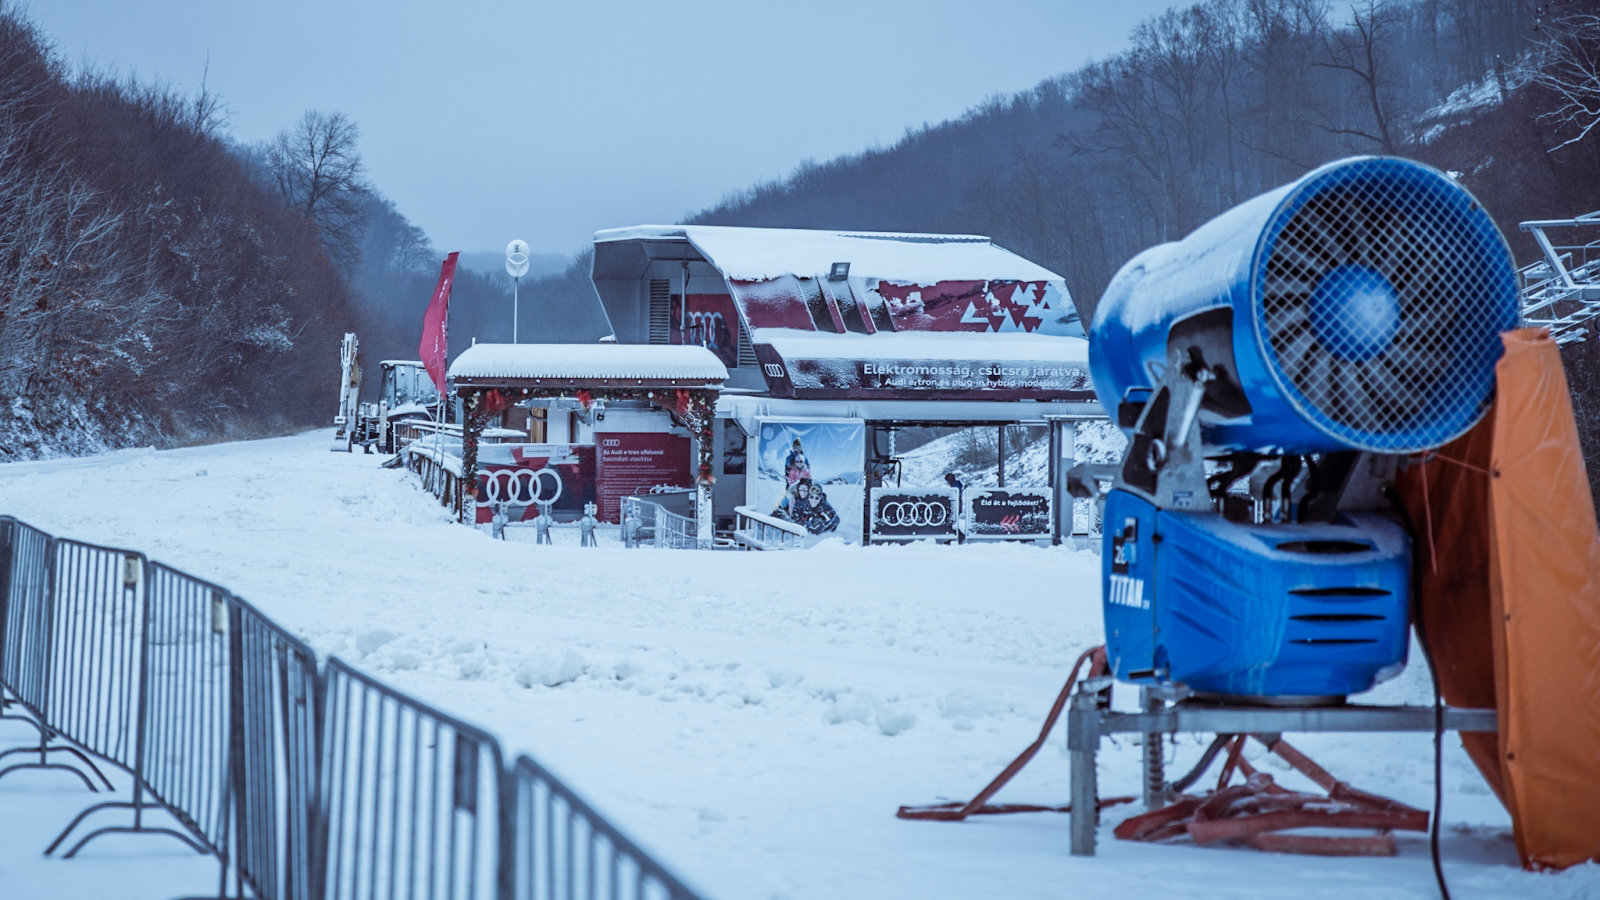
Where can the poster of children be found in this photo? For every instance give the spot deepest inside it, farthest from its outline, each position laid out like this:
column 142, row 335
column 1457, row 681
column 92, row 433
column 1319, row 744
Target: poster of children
column 811, row 473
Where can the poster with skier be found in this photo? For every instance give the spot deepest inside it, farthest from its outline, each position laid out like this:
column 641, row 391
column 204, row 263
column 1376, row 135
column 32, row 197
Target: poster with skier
column 812, row 473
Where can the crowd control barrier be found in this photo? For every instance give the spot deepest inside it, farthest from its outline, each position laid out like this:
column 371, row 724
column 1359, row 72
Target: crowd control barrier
column 275, row 692
column 562, row 848
column 413, row 797
column 96, row 613
column 167, row 659
column 304, row 785
column 25, row 558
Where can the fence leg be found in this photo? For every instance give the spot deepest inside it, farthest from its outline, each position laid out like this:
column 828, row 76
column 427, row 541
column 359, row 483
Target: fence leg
column 137, row 808
column 44, row 749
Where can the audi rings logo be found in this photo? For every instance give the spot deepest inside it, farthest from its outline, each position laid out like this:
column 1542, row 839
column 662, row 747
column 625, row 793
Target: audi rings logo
column 913, row 514
column 523, row 486
column 773, row 370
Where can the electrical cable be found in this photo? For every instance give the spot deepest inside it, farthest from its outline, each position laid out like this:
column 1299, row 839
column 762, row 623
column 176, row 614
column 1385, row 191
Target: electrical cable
column 1182, row 784
column 1438, row 701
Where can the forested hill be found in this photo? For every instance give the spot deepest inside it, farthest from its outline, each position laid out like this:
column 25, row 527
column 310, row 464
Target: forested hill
column 148, row 288
column 1208, row 106
column 1212, row 104
column 161, row 283
column 158, row 282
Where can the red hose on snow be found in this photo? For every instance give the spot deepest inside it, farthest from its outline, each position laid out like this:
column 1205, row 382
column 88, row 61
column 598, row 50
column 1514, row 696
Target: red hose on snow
column 979, row 805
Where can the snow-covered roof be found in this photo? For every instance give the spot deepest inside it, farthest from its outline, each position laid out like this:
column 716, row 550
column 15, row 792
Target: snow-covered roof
column 754, row 254
column 792, row 343
column 601, row 362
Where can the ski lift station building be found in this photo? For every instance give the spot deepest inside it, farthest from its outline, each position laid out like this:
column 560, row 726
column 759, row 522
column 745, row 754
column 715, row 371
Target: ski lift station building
column 831, row 339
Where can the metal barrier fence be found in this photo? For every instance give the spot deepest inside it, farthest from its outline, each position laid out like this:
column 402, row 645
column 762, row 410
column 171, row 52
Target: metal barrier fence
column 562, row 848
column 275, row 697
column 413, row 797
column 183, row 723
column 176, row 675
column 25, row 645
column 24, row 615
column 304, row 787
column 96, row 613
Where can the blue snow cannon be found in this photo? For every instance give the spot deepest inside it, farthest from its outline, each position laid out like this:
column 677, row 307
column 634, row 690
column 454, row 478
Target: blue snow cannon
column 1271, row 370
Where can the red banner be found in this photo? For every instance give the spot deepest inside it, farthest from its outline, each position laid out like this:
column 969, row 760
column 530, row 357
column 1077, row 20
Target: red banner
column 635, row 462
column 435, row 348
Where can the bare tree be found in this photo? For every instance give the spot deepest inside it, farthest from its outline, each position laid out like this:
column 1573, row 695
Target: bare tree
column 1359, row 51
column 1568, row 65
column 208, row 115
column 318, row 172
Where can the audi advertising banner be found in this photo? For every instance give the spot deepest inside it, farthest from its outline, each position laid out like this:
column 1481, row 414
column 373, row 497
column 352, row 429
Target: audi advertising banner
column 633, row 463
column 522, row 476
column 811, row 472
column 900, row 514
column 1008, row 514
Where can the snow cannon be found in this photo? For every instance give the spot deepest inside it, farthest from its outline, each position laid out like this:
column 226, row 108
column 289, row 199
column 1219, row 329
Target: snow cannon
column 1271, row 371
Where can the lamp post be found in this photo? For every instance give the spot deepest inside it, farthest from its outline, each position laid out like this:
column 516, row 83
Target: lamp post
column 516, row 267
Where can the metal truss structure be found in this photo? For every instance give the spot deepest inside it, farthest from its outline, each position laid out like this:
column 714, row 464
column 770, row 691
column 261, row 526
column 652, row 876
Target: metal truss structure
column 1562, row 290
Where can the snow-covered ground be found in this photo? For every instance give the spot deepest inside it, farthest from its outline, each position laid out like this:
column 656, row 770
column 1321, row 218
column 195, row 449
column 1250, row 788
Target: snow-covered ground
column 752, row 719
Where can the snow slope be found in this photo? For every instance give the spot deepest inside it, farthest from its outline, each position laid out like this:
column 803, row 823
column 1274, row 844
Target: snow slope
column 754, row 719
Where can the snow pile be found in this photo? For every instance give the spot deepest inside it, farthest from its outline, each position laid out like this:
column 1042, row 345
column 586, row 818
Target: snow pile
column 1468, row 100
column 756, row 254
column 588, row 362
column 66, row 427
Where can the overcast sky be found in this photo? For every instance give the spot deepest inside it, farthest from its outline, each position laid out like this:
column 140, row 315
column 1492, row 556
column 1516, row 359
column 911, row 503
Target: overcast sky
column 488, row 120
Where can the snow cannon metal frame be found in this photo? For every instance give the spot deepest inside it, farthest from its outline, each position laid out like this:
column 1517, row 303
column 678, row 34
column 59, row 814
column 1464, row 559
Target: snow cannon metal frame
column 1271, row 370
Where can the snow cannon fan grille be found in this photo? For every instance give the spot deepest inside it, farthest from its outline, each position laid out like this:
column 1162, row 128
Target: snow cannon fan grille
column 1382, row 288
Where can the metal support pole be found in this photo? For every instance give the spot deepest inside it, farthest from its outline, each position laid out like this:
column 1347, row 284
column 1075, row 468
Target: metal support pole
column 1000, row 442
column 1155, row 776
column 1063, row 453
column 515, row 315
column 1083, row 742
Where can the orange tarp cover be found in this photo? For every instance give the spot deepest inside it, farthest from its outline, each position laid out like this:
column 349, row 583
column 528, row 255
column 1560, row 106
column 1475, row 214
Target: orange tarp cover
column 1448, row 501
column 1510, row 572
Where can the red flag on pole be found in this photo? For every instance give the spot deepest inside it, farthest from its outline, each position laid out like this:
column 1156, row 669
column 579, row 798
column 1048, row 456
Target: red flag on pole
column 435, row 348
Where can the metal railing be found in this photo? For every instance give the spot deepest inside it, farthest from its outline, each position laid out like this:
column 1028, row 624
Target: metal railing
column 408, row 431
column 646, row 521
column 758, row 531
column 439, row 470
column 304, row 786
